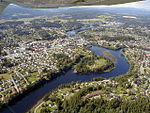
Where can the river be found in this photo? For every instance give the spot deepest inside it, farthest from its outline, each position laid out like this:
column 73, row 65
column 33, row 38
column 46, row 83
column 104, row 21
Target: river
column 122, row 65
column 23, row 105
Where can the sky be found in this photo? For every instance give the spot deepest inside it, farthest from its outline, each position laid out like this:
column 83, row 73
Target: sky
column 142, row 5
column 145, row 4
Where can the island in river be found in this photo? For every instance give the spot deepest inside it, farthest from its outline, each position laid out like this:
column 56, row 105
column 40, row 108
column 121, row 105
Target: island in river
column 93, row 64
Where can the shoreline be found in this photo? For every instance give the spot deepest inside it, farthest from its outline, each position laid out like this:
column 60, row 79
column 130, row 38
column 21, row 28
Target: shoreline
column 39, row 102
column 39, row 84
column 109, row 69
column 126, row 74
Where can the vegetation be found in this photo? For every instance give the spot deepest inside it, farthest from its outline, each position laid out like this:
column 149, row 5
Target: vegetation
column 120, row 38
column 79, row 102
column 7, row 62
column 120, row 94
column 63, row 61
column 93, row 64
column 100, row 105
column 2, row 53
column 107, row 54
column 5, row 76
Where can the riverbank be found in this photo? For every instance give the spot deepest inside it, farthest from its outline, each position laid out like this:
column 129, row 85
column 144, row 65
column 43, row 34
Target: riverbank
column 76, row 77
column 64, row 86
column 25, row 92
column 62, row 71
column 70, row 97
column 38, row 84
column 35, row 56
column 48, row 77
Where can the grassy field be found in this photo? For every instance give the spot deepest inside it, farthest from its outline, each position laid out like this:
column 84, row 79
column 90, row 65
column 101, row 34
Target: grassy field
column 33, row 77
column 98, row 64
column 5, row 76
column 110, row 56
column 22, row 19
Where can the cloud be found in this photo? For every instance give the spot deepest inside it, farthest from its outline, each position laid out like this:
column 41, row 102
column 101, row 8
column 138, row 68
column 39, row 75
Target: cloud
column 141, row 5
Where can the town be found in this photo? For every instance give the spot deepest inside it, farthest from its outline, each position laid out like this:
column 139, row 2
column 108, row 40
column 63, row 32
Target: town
column 32, row 49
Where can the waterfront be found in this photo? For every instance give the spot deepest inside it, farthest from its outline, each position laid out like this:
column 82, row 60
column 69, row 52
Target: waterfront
column 28, row 101
column 87, row 24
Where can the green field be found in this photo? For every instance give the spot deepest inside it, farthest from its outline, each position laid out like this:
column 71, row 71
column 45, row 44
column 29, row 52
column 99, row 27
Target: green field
column 97, row 64
column 5, row 76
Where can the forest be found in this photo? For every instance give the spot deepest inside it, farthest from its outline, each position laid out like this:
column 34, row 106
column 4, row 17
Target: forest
column 78, row 104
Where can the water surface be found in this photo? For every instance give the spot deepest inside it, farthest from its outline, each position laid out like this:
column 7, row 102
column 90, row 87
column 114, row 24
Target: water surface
column 28, row 101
